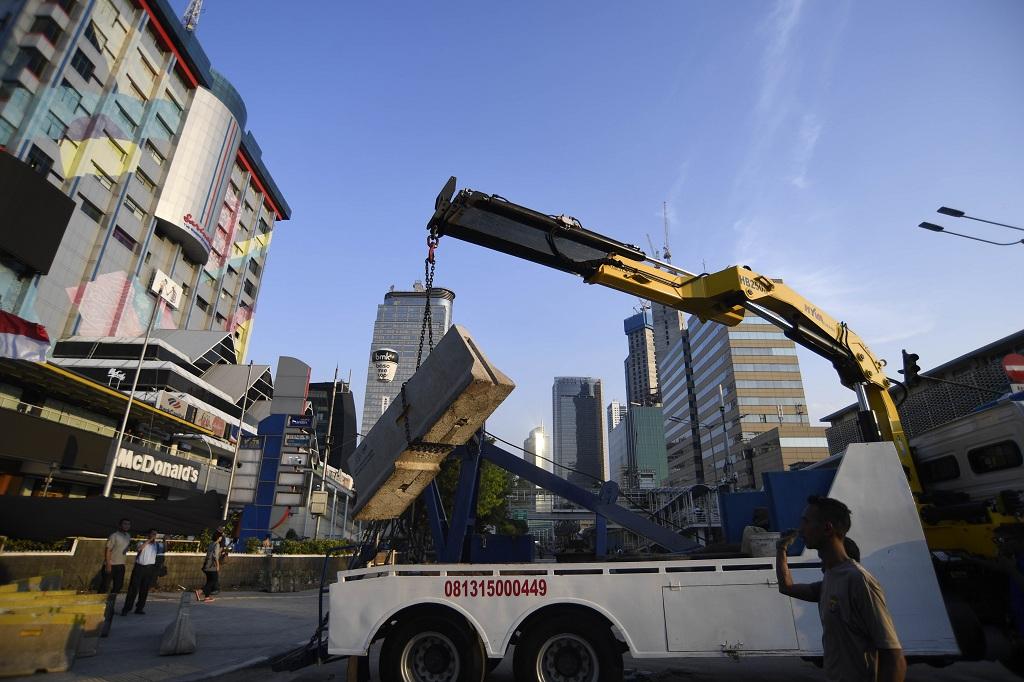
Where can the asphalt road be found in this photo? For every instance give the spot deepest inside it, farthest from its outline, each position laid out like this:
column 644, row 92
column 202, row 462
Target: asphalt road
column 679, row 670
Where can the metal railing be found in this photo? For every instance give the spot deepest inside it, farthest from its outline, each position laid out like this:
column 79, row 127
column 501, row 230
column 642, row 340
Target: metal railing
column 60, row 417
column 55, row 415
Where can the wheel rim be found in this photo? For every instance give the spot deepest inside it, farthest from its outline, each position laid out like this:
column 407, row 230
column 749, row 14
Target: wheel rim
column 567, row 658
column 430, row 657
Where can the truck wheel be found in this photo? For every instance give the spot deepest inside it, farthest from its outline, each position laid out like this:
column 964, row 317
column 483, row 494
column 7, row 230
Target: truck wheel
column 568, row 649
column 432, row 649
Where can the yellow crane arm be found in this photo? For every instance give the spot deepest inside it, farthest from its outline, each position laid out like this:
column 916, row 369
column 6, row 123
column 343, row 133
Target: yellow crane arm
column 561, row 242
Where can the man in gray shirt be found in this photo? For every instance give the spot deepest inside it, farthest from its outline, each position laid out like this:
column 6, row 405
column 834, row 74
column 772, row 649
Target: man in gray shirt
column 858, row 636
column 113, row 557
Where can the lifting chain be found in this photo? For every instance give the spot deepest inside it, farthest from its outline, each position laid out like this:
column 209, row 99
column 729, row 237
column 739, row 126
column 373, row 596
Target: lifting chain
column 428, row 276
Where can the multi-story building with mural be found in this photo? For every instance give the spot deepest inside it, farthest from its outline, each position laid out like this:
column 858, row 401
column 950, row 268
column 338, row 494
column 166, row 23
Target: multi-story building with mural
column 115, row 105
column 126, row 171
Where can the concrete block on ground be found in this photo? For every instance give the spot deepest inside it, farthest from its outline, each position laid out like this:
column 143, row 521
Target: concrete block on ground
column 180, row 636
column 446, row 401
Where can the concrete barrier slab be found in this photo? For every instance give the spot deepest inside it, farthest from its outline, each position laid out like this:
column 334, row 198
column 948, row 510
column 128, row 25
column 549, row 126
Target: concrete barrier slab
column 446, row 401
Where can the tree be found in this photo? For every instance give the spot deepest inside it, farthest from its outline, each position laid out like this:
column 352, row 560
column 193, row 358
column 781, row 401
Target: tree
column 492, row 498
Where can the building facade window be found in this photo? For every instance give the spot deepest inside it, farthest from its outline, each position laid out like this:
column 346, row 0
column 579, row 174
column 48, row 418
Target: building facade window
column 102, row 177
column 83, row 65
column 38, row 161
column 95, row 38
column 90, row 209
column 55, row 128
column 48, row 28
column 154, row 154
column 34, row 61
column 125, row 239
column 134, row 208
column 145, row 180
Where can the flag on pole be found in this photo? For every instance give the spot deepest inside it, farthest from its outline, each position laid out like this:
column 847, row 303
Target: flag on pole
column 21, row 339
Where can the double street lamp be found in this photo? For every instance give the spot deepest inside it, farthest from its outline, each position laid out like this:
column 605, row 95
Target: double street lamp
column 956, row 213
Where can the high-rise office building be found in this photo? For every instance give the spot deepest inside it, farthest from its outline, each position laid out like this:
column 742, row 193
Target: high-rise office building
column 640, row 366
column 668, row 326
column 746, row 381
column 537, row 450
column 343, row 424
column 637, row 458
column 577, row 431
column 616, row 411
column 133, row 168
column 397, row 328
column 618, row 452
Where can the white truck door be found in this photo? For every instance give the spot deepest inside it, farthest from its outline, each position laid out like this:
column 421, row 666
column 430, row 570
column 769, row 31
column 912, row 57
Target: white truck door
column 717, row 618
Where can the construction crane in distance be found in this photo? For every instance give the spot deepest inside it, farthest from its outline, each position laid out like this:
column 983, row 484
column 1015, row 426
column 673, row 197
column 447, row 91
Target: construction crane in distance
column 191, row 16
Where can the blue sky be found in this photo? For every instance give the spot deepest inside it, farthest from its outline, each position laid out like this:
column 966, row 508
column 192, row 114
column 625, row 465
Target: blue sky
column 804, row 139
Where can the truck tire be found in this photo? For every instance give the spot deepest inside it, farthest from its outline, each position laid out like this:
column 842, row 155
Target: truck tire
column 568, row 649
column 432, row 648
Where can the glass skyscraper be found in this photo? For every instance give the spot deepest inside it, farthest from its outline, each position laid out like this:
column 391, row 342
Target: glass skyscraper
column 577, row 433
column 398, row 326
column 752, row 371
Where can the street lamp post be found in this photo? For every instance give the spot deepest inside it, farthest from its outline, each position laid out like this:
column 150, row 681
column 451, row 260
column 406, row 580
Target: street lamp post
column 131, row 394
column 238, row 443
column 725, row 432
column 328, row 444
column 956, row 213
column 700, row 441
column 939, row 228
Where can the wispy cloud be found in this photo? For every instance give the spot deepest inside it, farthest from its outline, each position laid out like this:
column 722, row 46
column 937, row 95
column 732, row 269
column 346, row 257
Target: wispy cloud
column 772, row 105
column 807, row 140
column 775, row 62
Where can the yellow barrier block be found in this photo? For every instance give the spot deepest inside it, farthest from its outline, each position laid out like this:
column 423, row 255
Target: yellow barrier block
column 31, row 643
column 92, row 619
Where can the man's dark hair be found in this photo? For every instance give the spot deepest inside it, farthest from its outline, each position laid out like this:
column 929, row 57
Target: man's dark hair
column 150, row 530
column 833, row 511
column 123, row 520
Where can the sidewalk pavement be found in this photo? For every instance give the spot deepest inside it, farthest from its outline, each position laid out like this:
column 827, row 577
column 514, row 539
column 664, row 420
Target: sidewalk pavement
column 236, row 631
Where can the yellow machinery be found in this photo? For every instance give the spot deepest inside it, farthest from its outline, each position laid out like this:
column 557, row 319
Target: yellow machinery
column 561, row 242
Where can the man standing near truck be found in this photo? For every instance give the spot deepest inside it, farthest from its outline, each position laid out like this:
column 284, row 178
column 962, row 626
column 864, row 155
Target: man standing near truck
column 858, row 636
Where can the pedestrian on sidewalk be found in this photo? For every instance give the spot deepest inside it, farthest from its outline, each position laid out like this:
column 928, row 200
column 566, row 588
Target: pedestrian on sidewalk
column 211, row 567
column 113, row 557
column 858, row 636
column 149, row 558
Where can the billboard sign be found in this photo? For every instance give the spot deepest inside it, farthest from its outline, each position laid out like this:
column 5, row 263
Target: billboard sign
column 300, row 421
column 294, row 441
column 166, row 288
column 173, row 403
column 386, row 362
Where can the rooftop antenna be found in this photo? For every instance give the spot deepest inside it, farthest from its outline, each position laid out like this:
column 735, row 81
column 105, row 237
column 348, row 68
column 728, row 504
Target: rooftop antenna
column 666, row 254
column 191, row 18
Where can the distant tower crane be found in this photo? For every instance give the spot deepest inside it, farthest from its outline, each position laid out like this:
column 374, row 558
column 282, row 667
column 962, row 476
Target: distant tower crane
column 191, row 18
column 666, row 254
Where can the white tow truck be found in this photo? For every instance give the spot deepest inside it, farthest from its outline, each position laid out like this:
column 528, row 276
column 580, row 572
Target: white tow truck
column 574, row 621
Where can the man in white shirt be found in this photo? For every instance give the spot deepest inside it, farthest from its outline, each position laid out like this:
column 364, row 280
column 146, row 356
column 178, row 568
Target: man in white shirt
column 149, row 555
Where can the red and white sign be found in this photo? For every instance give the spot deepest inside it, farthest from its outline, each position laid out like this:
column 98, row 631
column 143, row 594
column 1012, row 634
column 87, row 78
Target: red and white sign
column 21, row 339
column 1013, row 365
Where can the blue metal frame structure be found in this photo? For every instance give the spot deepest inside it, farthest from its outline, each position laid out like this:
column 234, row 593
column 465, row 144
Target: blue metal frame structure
column 450, row 537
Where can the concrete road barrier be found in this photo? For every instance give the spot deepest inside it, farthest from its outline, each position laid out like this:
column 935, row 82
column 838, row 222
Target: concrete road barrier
column 32, row 643
column 444, row 403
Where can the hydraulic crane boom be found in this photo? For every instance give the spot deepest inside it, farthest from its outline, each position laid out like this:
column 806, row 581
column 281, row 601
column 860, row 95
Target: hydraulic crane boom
column 562, row 243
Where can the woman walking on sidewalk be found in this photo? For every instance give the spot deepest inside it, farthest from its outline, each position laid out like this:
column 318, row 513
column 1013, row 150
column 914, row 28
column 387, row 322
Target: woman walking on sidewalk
column 211, row 567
